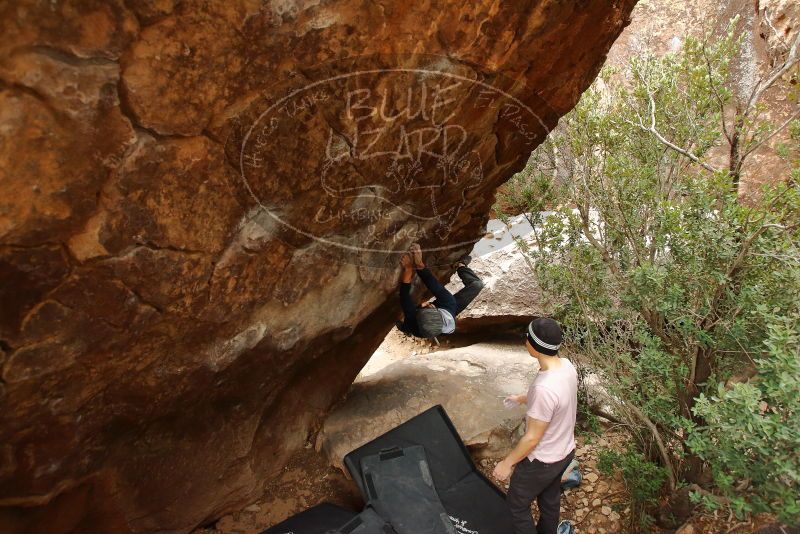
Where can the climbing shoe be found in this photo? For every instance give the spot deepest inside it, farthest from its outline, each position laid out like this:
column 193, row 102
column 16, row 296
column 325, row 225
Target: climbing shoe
column 464, row 260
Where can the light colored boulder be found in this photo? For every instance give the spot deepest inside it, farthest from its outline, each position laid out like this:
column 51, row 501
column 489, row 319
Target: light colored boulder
column 510, row 297
column 470, row 382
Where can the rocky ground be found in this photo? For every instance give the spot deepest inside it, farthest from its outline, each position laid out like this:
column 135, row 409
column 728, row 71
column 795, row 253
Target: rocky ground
column 307, row 480
column 470, row 382
column 598, row 506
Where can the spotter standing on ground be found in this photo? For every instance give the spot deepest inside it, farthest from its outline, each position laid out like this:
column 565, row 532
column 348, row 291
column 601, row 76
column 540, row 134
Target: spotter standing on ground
column 542, row 455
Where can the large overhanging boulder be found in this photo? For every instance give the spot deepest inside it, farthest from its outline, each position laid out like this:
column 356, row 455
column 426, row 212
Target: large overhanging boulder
column 200, row 204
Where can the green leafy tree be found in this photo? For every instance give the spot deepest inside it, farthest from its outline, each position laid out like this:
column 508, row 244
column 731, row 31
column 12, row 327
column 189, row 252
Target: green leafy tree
column 667, row 282
column 750, row 435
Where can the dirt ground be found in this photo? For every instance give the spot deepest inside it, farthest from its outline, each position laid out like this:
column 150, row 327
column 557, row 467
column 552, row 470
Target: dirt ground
column 596, row 507
column 600, row 505
column 307, row 480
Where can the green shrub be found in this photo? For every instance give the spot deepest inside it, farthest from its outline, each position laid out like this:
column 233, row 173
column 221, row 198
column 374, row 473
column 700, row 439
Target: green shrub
column 750, row 432
column 643, row 479
column 666, row 281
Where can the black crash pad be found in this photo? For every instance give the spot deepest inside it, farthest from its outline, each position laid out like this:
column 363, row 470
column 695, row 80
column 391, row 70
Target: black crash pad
column 399, row 480
column 320, row 519
column 367, row 522
column 475, row 504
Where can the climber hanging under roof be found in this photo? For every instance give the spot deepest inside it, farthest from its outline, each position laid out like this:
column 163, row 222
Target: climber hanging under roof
column 431, row 319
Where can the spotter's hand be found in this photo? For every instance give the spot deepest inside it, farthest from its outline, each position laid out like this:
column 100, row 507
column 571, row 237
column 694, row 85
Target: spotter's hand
column 502, row 471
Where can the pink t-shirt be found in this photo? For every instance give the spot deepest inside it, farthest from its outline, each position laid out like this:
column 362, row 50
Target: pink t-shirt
column 553, row 397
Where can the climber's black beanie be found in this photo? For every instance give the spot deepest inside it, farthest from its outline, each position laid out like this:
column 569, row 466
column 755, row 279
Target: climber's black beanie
column 545, row 336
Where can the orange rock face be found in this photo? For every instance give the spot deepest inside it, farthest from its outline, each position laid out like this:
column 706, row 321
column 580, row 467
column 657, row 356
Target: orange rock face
column 201, row 210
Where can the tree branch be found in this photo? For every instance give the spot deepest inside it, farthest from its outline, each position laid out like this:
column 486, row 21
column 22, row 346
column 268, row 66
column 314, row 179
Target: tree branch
column 672, row 146
column 772, row 134
column 652, row 129
column 788, row 63
column 659, row 443
column 716, row 92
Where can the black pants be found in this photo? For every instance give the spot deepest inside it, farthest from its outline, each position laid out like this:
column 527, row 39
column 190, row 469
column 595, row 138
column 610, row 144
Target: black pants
column 542, row 482
column 465, row 295
column 444, row 299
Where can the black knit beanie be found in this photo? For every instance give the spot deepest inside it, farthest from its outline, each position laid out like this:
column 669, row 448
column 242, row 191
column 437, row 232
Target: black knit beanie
column 545, row 336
